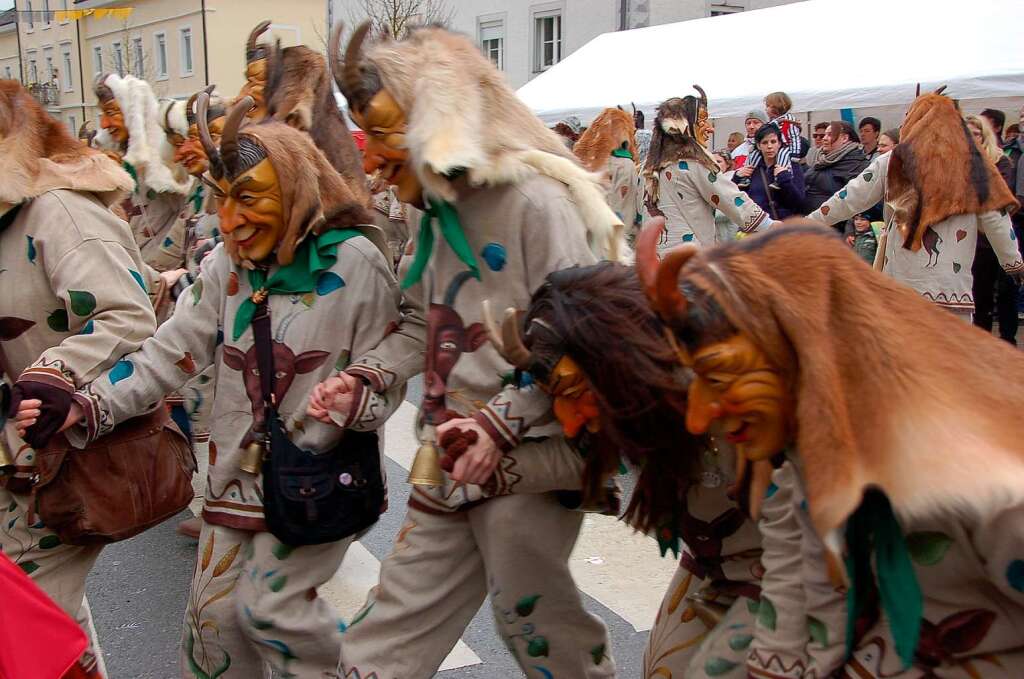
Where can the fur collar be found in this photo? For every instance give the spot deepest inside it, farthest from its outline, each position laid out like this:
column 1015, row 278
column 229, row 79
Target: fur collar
column 38, row 154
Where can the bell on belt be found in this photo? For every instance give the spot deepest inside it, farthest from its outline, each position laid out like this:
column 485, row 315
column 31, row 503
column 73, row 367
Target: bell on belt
column 252, row 458
column 426, row 466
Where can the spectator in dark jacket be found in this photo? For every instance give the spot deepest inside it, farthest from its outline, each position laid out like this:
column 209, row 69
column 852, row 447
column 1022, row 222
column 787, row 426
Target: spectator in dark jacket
column 842, row 160
column 784, row 199
column 870, row 128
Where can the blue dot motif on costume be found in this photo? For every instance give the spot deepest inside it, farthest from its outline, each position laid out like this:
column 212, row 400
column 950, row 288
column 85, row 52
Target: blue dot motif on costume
column 87, row 330
column 842, row 195
column 31, row 250
column 772, row 489
column 1013, row 235
column 683, row 165
column 1015, row 574
column 495, row 256
column 122, row 370
column 168, row 242
column 328, row 282
column 687, row 237
column 739, row 201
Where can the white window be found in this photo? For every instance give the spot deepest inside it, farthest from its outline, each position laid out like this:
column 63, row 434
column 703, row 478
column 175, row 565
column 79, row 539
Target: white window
column 97, row 59
column 33, row 72
column 138, row 68
column 73, row 124
column 186, row 51
column 492, row 42
column 31, row 22
column 160, row 40
column 69, row 83
column 118, row 58
column 547, row 40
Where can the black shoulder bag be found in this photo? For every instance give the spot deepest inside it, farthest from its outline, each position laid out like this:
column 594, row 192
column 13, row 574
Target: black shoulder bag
column 308, row 498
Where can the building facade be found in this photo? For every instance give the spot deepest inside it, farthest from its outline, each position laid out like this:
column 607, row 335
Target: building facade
column 526, row 37
column 179, row 46
column 10, row 61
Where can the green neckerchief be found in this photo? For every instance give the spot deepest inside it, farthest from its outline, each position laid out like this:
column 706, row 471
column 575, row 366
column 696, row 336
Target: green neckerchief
column 874, row 528
column 130, row 169
column 451, row 229
column 312, row 257
column 197, row 198
column 622, row 153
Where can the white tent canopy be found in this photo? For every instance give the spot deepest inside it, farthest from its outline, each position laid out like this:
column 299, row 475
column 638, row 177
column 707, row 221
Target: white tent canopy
column 825, row 54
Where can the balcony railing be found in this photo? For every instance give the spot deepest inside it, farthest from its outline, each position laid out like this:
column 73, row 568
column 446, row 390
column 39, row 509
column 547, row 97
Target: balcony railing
column 47, row 94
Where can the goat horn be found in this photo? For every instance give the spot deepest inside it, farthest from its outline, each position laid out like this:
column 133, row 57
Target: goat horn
column 229, row 138
column 516, row 352
column 212, row 153
column 671, row 302
column 917, row 93
column 647, row 258
column 940, row 90
column 334, row 52
column 353, row 82
column 256, row 32
column 703, row 95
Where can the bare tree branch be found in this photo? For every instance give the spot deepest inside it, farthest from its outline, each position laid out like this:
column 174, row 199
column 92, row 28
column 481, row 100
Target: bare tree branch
column 398, row 17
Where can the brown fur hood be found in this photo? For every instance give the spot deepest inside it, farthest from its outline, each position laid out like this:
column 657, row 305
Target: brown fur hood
column 611, row 129
column 314, row 196
column 38, row 154
column 931, row 417
column 938, row 171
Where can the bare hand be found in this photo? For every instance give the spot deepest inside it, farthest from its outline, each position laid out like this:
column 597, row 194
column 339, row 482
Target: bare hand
column 336, row 394
column 172, row 277
column 779, row 169
column 478, row 463
column 29, row 411
column 850, row 240
column 745, row 171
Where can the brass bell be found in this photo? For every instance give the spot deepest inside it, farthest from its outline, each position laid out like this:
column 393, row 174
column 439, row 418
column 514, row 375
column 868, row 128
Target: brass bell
column 426, row 466
column 252, row 458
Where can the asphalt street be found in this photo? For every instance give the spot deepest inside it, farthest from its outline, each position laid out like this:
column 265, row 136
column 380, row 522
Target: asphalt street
column 138, row 588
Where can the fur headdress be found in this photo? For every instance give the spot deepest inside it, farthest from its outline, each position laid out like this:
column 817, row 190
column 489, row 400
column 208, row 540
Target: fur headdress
column 148, row 149
column 673, row 138
column 299, row 92
column 938, row 171
column 38, row 154
column 812, row 306
column 314, row 197
column 612, row 129
column 462, row 116
column 173, row 119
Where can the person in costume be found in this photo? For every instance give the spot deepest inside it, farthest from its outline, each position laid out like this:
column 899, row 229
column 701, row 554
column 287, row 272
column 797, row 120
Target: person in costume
column 940, row 193
column 682, row 182
column 295, row 236
column 131, row 120
column 80, row 303
column 609, row 147
column 629, row 397
column 505, row 204
column 926, row 538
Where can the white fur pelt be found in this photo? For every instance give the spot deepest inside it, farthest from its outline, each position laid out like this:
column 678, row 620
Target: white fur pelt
column 463, row 116
column 172, row 116
column 148, row 148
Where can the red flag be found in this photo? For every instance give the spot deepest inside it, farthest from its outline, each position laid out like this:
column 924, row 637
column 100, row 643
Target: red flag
column 38, row 640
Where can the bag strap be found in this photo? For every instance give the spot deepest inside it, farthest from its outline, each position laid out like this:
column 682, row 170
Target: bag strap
column 264, row 352
column 768, row 190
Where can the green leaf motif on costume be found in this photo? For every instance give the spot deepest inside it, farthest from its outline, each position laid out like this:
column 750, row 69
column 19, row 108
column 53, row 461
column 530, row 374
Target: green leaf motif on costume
column 12, row 507
column 87, row 329
column 928, row 548
column 525, row 606
column 29, row 567
column 255, row 622
column 197, row 291
column 740, row 641
column 282, row 551
column 122, row 370
column 1015, row 574
column 194, row 667
column 83, row 302
column 753, row 606
column 278, row 583
column 716, row 667
column 138, row 279
column 58, row 320
column 766, row 614
column 598, row 653
column 49, row 542
column 712, row 177
column 343, row 360
column 817, row 630
column 280, row 647
column 538, row 647
column 31, row 250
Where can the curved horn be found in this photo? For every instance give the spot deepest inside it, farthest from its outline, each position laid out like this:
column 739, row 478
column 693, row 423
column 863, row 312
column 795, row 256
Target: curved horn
column 703, row 95
column 256, row 32
column 229, row 137
column 516, row 352
column 333, row 52
column 670, row 301
column 647, row 258
column 358, row 85
column 940, row 90
column 212, row 153
column 917, row 93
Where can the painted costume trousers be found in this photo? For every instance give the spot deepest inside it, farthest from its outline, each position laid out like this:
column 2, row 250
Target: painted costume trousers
column 60, row 570
column 514, row 548
column 253, row 603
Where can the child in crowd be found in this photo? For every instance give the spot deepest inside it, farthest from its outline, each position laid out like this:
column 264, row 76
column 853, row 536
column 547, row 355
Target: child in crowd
column 865, row 244
column 777, row 106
